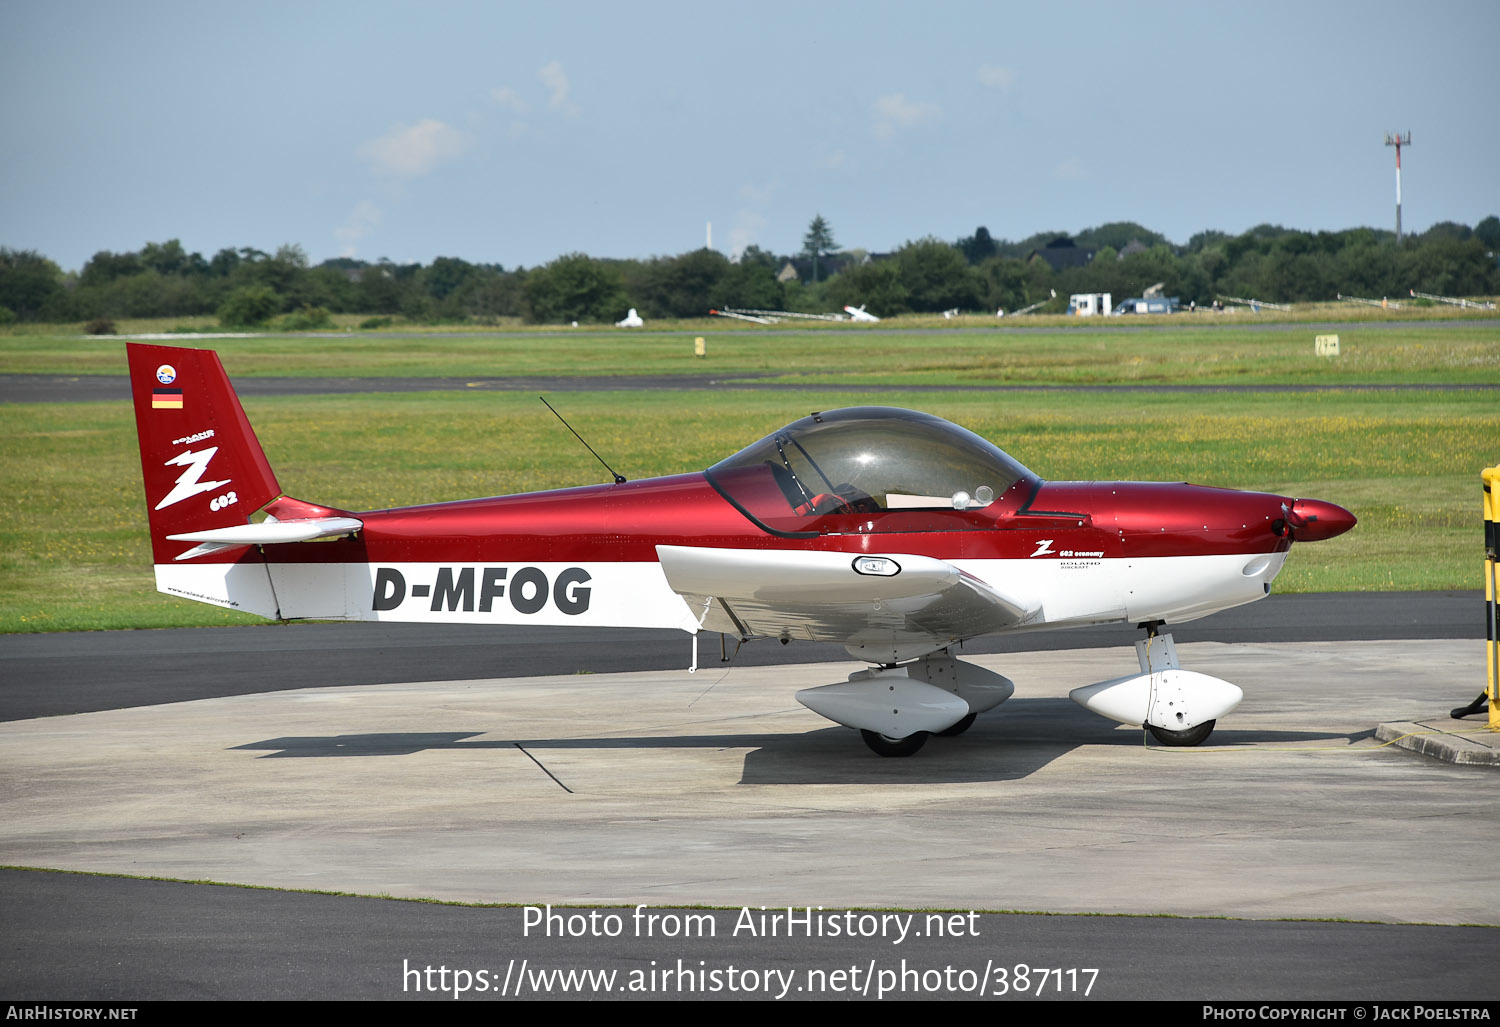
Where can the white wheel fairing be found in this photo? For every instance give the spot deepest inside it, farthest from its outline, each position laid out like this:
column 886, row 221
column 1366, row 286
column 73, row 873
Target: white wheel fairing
column 886, row 702
column 957, row 729
column 980, row 688
column 1175, row 699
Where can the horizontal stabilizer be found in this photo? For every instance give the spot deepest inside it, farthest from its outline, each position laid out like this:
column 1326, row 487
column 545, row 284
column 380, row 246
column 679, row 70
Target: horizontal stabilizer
column 267, row 532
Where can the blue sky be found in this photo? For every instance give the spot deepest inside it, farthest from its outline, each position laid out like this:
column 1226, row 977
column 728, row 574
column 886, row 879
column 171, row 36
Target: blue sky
column 512, row 133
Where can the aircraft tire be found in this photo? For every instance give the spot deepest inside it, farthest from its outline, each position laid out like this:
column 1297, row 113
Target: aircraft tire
column 883, row 746
column 1192, row 736
column 954, row 730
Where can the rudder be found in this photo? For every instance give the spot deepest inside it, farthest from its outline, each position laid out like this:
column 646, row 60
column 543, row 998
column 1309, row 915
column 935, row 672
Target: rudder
column 203, row 468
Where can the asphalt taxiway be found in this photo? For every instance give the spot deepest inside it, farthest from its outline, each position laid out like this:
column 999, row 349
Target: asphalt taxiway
column 653, row 786
column 57, row 388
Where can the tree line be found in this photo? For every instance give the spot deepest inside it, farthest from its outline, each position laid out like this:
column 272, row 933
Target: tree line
column 248, row 287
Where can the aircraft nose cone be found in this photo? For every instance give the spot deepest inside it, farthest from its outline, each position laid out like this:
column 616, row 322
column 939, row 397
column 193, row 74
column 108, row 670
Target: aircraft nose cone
column 1312, row 520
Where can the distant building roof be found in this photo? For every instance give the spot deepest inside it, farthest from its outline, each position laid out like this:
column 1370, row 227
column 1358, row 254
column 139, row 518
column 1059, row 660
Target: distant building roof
column 828, row 265
column 1063, row 253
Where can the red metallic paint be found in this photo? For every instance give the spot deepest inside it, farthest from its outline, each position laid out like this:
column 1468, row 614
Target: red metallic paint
column 1313, row 520
column 1175, row 518
column 626, row 523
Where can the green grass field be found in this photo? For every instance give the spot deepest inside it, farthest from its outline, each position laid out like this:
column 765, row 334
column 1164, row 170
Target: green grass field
column 887, row 355
column 73, row 551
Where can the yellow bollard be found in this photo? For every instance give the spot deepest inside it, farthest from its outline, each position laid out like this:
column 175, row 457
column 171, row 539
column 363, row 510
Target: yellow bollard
column 699, row 347
column 1491, row 476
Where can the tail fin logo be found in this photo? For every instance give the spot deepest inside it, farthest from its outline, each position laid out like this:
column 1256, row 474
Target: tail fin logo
column 188, row 483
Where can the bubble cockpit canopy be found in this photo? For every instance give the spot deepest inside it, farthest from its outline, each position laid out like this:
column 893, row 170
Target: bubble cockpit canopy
column 867, row 461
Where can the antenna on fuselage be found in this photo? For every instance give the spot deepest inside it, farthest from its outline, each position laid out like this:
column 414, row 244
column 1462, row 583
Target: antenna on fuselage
column 619, row 478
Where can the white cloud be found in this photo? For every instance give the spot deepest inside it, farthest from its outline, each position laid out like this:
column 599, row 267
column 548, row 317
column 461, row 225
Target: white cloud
column 511, row 100
column 759, row 195
column 410, row 151
column 750, row 220
column 559, row 99
column 748, row 225
column 996, row 77
column 1070, row 169
column 560, row 89
column 828, row 158
column 895, row 113
column 362, row 221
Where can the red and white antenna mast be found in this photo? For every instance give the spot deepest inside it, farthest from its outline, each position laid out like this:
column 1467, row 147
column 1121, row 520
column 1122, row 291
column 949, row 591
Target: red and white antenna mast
column 1398, row 140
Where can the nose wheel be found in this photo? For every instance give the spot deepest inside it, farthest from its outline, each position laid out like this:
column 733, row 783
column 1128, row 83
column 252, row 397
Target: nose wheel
column 882, row 745
column 1180, row 707
column 1195, row 735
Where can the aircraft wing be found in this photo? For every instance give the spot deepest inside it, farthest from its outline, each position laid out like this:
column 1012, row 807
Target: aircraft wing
column 900, row 602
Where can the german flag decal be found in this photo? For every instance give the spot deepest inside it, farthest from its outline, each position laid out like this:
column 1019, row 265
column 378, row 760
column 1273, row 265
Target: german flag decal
column 166, row 399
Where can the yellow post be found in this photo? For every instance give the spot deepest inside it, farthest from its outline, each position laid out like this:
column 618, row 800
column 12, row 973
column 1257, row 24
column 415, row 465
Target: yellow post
column 1491, row 476
column 699, row 349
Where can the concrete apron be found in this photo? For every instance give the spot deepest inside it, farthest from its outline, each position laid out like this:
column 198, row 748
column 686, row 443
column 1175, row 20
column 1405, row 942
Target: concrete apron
column 716, row 788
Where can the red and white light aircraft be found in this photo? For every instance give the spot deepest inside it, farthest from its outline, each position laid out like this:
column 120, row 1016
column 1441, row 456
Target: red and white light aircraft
column 894, row 533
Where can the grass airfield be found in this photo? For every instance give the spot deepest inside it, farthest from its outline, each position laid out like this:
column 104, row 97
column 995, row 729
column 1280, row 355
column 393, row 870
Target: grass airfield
column 73, row 551
column 1182, row 350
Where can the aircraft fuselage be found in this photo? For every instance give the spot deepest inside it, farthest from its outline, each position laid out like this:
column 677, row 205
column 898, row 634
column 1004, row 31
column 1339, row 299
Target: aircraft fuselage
column 1099, row 552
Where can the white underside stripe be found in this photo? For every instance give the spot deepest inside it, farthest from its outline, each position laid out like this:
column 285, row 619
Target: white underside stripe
column 1068, row 591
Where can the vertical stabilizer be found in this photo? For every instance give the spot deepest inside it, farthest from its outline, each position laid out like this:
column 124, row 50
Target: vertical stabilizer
column 203, row 468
